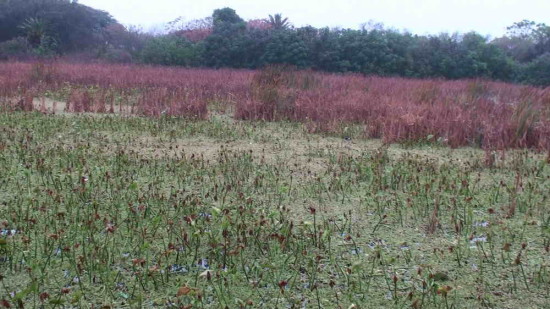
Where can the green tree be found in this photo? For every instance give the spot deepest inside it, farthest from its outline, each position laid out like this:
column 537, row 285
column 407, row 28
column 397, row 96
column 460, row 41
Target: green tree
column 171, row 50
column 72, row 25
column 542, row 39
column 224, row 47
column 252, row 45
column 122, row 44
column 287, row 47
column 525, row 41
column 537, row 72
column 35, row 30
column 226, row 21
column 327, row 52
column 367, row 52
column 277, row 21
column 15, row 48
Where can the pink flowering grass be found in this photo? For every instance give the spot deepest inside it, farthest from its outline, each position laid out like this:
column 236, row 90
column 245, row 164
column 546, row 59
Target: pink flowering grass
column 141, row 90
column 491, row 115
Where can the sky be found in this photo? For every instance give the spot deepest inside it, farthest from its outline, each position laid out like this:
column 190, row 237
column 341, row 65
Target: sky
column 488, row 17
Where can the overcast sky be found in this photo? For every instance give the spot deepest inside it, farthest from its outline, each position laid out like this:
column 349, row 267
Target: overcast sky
column 488, row 17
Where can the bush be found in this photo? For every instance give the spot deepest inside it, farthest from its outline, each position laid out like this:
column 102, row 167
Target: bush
column 116, row 55
column 538, row 71
column 19, row 49
column 170, row 50
column 47, row 48
column 15, row 49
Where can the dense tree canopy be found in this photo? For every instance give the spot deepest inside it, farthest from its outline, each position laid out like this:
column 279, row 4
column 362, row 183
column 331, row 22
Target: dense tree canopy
column 73, row 26
column 170, row 50
column 40, row 27
column 537, row 72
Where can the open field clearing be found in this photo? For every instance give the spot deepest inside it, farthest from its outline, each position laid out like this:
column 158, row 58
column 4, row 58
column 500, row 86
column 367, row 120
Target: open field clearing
column 127, row 212
column 139, row 187
column 348, row 155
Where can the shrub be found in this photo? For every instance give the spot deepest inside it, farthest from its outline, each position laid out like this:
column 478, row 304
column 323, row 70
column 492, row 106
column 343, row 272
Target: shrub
column 17, row 48
column 538, row 71
column 116, row 55
column 170, row 50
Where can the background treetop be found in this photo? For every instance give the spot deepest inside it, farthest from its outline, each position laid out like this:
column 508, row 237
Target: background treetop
column 38, row 28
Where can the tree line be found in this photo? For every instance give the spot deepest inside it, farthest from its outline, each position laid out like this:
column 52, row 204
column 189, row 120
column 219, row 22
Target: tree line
column 52, row 28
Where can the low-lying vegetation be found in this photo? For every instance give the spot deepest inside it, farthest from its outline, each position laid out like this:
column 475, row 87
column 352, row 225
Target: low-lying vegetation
column 114, row 212
column 223, row 196
column 490, row 115
column 456, row 113
column 133, row 186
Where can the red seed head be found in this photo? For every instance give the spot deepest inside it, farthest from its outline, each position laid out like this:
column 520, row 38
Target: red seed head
column 44, row 296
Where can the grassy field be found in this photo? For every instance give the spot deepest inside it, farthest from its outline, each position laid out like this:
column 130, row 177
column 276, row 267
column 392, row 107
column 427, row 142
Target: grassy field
column 107, row 211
